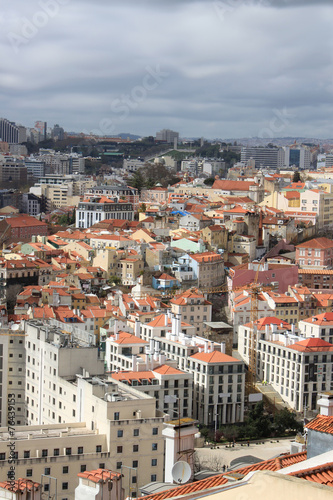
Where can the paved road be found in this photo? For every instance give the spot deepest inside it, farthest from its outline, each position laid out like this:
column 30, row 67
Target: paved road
column 216, row 458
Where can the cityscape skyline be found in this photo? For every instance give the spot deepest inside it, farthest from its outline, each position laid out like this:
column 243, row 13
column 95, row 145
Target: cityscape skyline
column 226, row 69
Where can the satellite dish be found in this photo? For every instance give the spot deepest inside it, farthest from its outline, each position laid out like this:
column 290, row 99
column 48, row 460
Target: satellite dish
column 181, row 472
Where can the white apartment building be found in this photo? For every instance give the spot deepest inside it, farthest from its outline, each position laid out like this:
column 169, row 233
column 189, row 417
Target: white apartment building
column 298, row 368
column 94, row 210
column 319, row 326
column 163, row 323
column 218, row 379
column 12, row 376
column 171, row 387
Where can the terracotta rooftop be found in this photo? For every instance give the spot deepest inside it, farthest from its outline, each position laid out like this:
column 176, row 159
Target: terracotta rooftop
column 320, row 243
column 214, row 357
column 312, row 345
column 321, row 423
column 273, row 464
column 99, row 474
column 322, row 474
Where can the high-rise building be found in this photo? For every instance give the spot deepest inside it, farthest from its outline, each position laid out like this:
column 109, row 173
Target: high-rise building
column 167, row 135
column 264, row 156
column 9, row 131
column 42, row 128
column 297, row 156
column 58, row 132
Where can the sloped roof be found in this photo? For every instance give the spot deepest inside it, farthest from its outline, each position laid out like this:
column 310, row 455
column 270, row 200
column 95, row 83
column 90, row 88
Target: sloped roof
column 312, row 345
column 99, row 474
column 322, row 474
column 321, row 423
column 227, row 185
column 319, row 243
column 273, row 464
column 214, row 357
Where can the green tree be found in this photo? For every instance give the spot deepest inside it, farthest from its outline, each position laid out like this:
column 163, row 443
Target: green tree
column 284, row 420
column 137, row 180
column 296, row 177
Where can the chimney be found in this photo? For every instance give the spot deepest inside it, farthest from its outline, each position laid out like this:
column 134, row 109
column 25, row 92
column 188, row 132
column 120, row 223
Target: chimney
column 134, row 363
column 173, row 324
column 223, row 347
column 137, row 328
column 325, row 404
column 293, row 328
column 178, row 324
column 151, row 347
column 115, row 326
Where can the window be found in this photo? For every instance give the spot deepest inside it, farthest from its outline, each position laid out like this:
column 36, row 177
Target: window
column 80, row 450
column 154, row 446
column 155, row 431
column 135, row 463
column 68, row 451
column 56, row 452
column 153, row 462
column 65, row 486
column 133, row 479
column 119, row 465
column 153, row 477
column 83, row 468
column 29, row 473
column 98, row 448
column 2, row 456
column 44, row 453
column 101, row 465
column 135, row 447
column 120, row 449
column 120, row 433
column 116, row 415
column 26, row 454
column 135, row 432
column 65, row 469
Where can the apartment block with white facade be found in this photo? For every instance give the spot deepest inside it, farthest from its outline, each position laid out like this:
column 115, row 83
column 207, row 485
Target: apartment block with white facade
column 96, row 209
column 298, row 368
column 12, row 375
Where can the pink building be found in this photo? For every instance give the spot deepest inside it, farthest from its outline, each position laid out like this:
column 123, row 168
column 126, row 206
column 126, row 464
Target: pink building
column 280, row 275
column 315, row 253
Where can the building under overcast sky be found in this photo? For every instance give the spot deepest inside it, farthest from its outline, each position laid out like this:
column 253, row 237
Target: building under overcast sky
column 221, row 68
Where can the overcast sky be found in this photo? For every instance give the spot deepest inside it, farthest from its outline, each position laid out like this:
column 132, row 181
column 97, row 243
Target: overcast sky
column 228, row 68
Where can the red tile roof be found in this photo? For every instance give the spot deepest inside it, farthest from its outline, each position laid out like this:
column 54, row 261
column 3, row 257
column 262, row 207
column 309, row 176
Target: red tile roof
column 214, row 357
column 322, row 474
column 19, row 485
column 321, row 423
column 320, row 243
column 99, row 474
column 273, row 464
column 227, row 185
column 312, row 345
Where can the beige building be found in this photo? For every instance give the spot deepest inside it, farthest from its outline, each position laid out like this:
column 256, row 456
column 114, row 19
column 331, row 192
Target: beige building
column 194, row 308
column 57, row 196
column 60, row 390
